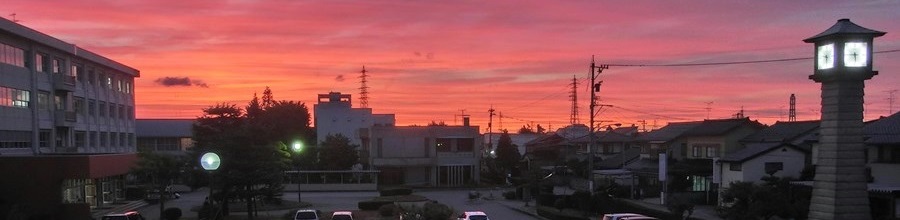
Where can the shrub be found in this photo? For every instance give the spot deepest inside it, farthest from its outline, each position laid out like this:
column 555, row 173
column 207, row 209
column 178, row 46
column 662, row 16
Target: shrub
column 396, row 191
column 510, row 195
column 434, row 210
column 372, row 205
column 172, row 214
column 387, row 210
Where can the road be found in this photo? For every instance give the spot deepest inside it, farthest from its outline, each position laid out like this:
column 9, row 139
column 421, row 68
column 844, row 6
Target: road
column 331, row 201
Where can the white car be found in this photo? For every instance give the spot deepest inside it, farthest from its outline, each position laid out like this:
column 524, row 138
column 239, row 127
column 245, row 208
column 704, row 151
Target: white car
column 307, row 214
column 132, row 215
column 473, row 215
column 342, row 215
column 620, row 216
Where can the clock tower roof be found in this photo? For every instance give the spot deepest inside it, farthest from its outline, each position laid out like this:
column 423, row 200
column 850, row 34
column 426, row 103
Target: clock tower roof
column 844, row 27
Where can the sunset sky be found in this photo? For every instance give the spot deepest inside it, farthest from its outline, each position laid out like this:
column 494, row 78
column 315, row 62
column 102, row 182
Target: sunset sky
column 429, row 59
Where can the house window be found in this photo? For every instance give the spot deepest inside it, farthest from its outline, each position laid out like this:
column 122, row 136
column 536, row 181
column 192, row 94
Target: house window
column 43, row 100
column 79, row 105
column 92, row 107
column 56, row 63
column 465, row 144
column 112, row 110
column 76, row 71
column 712, row 151
column 773, row 167
column 60, row 102
column 14, row 98
column 104, row 137
column 734, row 166
column 101, row 109
column 91, row 77
column 41, row 63
column 699, row 183
column 12, row 55
column 684, row 149
column 79, row 138
column 888, row 154
column 443, row 144
column 44, row 138
column 696, row 151
column 378, row 144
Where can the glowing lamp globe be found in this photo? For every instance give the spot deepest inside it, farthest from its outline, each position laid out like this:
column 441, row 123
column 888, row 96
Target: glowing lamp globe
column 210, row 161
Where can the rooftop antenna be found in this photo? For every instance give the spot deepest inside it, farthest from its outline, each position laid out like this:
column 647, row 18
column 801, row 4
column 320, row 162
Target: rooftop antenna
column 13, row 15
column 363, row 89
column 462, row 113
column 708, row 108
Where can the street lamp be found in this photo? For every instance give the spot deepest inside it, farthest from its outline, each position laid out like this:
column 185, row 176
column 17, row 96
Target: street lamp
column 297, row 146
column 210, row 161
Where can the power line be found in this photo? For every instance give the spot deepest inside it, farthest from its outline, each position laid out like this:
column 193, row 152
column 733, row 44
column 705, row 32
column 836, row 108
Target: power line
column 730, row 62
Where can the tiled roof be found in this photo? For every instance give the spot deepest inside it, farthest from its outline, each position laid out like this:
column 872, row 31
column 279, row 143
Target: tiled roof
column 604, row 137
column 844, row 26
column 719, row 126
column 783, row 131
column 620, row 159
column 163, row 127
column 884, row 130
column 669, row 132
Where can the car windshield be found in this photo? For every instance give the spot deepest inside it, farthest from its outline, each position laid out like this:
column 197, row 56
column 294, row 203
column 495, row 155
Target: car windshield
column 341, row 217
column 305, row 215
column 478, row 217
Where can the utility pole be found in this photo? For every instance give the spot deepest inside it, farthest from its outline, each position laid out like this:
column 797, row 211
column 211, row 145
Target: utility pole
column 595, row 87
column 643, row 125
column 490, row 129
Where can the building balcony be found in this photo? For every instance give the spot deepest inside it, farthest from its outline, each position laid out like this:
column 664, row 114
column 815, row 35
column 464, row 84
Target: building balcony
column 403, row 161
column 64, row 82
column 65, row 118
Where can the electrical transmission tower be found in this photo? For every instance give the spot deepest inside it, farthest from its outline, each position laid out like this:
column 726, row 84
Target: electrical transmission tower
column 792, row 112
column 573, row 119
column 891, row 101
column 363, row 88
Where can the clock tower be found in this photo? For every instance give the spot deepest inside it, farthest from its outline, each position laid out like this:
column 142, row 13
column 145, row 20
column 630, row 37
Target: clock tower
column 843, row 61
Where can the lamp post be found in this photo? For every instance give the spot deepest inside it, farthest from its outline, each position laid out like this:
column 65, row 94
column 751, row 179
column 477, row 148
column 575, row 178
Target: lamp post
column 210, row 161
column 297, row 147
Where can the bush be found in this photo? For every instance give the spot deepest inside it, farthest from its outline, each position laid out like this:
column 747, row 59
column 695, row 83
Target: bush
column 372, row 205
column 510, row 195
column 434, row 210
column 387, row 210
column 396, row 191
column 172, row 214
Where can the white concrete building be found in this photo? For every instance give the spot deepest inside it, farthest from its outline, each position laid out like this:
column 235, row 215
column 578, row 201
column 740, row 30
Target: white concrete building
column 426, row 155
column 334, row 114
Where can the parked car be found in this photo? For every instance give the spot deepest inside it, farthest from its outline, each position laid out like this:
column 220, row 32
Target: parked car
column 154, row 195
column 307, row 214
column 620, row 216
column 132, row 215
column 342, row 215
column 473, row 215
column 640, row 218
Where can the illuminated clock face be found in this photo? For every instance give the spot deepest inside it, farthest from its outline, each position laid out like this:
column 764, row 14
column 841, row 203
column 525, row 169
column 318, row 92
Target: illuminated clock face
column 855, row 54
column 825, row 57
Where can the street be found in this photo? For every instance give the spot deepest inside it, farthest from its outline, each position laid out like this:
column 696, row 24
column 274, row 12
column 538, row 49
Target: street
column 331, row 201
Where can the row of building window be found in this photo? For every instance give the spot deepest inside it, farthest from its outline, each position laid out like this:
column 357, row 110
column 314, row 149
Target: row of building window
column 12, row 55
column 98, row 139
column 712, row 150
column 45, row 64
column 14, row 97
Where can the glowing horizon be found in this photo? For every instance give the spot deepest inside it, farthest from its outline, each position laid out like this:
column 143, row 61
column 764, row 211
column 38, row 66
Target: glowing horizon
column 429, row 60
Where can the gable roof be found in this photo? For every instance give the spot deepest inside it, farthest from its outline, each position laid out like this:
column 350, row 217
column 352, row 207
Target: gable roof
column 885, row 130
column 753, row 150
column 669, row 132
column 783, row 131
column 720, row 126
column 163, row 127
column 620, row 159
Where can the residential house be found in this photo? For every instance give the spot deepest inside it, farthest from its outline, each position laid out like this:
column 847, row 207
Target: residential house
column 883, row 150
column 692, row 165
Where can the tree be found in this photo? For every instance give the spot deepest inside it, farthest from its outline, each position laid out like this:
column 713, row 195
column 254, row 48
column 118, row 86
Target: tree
column 540, row 130
column 160, row 170
column 267, row 99
column 433, row 123
column 337, row 153
column 526, row 129
column 507, row 153
column 254, row 108
column 774, row 197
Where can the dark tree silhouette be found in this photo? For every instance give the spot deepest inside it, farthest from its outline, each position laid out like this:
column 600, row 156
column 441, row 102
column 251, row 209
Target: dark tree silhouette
column 507, row 153
column 337, row 153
